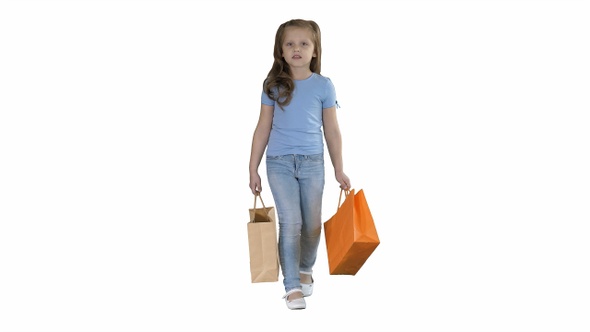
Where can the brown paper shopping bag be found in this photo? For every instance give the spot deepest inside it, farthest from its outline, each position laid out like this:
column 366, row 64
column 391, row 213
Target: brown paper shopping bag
column 351, row 236
column 262, row 241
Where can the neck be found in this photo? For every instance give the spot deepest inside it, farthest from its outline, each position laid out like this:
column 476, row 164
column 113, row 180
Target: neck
column 300, row 74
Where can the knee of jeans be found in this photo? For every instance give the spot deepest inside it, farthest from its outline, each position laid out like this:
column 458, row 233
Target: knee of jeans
column 290, row 229
column 314, row 232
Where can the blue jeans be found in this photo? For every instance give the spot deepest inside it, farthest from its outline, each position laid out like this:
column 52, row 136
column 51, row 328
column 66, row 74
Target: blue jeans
column 297, row 186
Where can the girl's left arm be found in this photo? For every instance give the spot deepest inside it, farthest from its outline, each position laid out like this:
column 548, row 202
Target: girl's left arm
column 334, row 142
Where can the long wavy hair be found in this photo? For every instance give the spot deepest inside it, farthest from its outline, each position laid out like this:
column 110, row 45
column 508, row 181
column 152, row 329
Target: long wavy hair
column 279, row 84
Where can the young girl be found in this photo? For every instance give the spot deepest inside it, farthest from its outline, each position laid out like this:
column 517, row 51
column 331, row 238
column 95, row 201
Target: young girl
column 297, row 101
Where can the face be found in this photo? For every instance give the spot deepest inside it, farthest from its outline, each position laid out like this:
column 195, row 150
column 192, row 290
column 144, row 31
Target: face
column 298, row 48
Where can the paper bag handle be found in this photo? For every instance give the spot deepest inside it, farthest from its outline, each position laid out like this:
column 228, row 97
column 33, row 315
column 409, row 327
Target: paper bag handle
column 340, row 199
column 257, row 195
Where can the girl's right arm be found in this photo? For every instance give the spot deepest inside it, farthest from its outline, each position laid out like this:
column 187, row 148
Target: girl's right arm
column 259, row 142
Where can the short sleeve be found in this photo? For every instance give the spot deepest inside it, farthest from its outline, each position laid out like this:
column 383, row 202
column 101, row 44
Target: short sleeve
column 265, row 99
column 330, row 95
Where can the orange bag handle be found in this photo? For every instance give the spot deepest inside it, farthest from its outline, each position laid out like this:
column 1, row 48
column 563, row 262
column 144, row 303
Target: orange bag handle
column 257, row 195
column 346, row 192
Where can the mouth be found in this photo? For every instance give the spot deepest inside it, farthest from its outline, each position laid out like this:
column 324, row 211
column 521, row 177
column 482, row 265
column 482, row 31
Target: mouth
column 296, row 57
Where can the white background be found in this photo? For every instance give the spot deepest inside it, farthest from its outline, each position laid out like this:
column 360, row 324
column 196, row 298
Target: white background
column 125, row 131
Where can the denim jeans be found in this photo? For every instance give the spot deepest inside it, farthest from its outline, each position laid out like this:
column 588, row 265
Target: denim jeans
column 297, row 186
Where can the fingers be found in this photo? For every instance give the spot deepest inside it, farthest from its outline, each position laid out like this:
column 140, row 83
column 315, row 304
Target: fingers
column 255, row 184
column 255, row 188
column 345, row 185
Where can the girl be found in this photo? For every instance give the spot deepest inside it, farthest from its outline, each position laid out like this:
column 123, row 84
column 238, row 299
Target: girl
column 297, row 101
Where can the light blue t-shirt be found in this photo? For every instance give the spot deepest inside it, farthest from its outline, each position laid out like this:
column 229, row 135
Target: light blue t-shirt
column 297, row 128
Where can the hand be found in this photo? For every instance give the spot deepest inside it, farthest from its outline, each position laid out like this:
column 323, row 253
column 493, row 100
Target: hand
column 255, row 183
column 343, row 180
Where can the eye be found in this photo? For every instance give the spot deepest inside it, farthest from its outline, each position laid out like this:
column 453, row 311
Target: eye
column 289, row 44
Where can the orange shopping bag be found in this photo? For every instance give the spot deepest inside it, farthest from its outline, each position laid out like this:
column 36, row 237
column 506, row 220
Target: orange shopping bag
column 351, row 236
